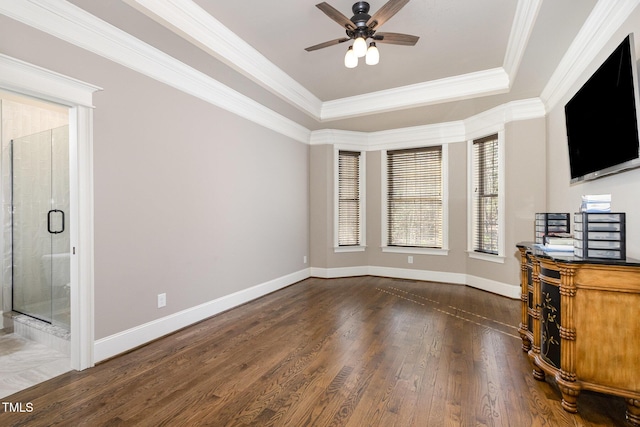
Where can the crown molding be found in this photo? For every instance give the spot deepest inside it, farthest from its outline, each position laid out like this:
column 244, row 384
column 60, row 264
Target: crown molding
column 523, row 22
column 193, row 23
column 488, row 82
column 605, row 19
column 336, row 136
column 417, row 136
column 76, row 26
column 493, row 120
column 476, row 126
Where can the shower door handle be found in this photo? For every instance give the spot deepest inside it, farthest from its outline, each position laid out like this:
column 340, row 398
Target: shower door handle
column 53, row 211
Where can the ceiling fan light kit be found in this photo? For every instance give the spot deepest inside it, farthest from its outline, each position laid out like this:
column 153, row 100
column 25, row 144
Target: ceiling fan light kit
column 363, row 26
column 350, row 58
column 373, row 56
column 360, row 47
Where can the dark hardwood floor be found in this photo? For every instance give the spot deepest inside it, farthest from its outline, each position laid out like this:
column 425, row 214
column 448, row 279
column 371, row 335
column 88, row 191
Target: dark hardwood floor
column 363, row 351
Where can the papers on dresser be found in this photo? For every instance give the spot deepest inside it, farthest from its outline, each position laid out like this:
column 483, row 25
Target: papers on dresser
column 596, row 203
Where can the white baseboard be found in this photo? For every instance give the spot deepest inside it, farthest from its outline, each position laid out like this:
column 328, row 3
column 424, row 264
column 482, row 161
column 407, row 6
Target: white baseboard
column 121, row 342
column 332, row 273
column 488, row 285
column 412, row 274
column 495, row 287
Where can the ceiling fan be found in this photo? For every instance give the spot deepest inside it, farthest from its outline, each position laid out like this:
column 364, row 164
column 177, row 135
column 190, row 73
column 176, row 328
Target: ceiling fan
column 363, row 26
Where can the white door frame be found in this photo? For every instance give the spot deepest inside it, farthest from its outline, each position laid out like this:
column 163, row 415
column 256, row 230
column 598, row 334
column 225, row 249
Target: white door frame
column 26, row 79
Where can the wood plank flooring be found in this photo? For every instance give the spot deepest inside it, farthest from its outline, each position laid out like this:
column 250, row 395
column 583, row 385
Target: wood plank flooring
column 364, row 351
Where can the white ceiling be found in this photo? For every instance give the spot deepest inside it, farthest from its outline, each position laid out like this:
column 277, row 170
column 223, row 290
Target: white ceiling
column 472, row 55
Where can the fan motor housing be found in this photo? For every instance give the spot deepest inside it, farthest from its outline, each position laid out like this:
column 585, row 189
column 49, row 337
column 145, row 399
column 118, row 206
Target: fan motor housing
column 360, row 14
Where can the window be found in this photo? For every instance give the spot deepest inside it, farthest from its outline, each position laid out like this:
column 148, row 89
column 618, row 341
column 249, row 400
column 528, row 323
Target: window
column 415, row 198
column 349, row 199
column 486, row 185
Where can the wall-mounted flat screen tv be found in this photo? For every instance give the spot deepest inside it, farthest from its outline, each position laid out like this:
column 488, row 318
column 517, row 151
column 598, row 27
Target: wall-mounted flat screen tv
column 601, row 118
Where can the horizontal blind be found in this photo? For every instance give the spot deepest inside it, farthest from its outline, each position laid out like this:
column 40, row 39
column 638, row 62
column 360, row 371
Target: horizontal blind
column 414, row 197
column 485, row 200
column 348, row 198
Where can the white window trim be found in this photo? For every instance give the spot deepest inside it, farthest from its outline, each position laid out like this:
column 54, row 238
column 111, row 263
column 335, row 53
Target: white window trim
column 415, row 251
column 346, row 249
column 445, row 210
column 363, row 199
column 500, row 257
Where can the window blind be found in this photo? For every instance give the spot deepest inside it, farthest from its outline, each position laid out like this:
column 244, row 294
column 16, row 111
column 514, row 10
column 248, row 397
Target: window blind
column 414, row 197
column 485, row 200
column 348, row 198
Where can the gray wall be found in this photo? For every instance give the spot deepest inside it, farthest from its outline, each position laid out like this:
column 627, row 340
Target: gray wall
column 525, row 195
column 623, row 187
column 190, row 200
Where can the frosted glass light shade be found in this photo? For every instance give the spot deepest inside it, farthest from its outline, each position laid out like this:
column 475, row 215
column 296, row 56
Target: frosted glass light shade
column 373, row 56
column 350, row 59
column 360, row 47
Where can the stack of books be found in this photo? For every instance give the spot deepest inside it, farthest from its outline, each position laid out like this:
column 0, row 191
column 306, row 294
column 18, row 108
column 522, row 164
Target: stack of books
column 558, row 242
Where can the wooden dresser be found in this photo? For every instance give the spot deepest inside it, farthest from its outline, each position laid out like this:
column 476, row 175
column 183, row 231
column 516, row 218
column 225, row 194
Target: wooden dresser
column 581, row 324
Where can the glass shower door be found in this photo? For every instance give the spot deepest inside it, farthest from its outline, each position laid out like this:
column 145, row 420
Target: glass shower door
column 40, row 221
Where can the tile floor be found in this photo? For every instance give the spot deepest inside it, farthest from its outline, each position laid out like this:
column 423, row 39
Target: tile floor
column 24, row 363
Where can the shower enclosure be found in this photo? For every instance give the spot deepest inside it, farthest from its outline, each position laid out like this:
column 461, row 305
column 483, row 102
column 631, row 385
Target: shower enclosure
column 39, row 226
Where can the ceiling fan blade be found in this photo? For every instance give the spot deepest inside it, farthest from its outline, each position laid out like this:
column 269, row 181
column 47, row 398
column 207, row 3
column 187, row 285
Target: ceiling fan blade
column 336, row 15
column 327, row 44
column 396, row 38
column 383, row 14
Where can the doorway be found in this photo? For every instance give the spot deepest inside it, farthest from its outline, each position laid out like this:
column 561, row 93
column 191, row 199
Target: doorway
column 32, row 82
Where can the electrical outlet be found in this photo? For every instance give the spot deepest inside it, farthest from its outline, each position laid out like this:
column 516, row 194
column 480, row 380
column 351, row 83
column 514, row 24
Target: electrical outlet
column 304, row 259
column 410, row 259
column 162, row 300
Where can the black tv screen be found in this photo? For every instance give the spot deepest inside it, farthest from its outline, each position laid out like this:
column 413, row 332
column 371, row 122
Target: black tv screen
column 601, row 119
